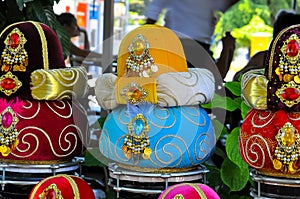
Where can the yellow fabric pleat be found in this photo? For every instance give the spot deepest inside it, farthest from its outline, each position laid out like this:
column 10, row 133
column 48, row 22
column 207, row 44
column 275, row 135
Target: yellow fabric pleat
column 57, row 84
column 254, row 89
column 148, row 84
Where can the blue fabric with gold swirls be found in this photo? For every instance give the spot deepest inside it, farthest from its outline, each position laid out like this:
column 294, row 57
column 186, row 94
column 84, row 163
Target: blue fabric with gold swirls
column 180, row 137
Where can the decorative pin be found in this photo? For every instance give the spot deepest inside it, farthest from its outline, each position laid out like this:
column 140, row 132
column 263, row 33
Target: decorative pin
column 9, row 83
column 140, row 62
column 289, row 94
column 51, row 192
column 178, row 196
column 8, row 132
column 134, row 93
column 289, row 65
column 137, row 141
column 287, row 149
column 14, row 57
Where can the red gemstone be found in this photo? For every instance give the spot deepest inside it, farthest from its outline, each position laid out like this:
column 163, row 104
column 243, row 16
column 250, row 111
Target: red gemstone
column 7, row 119
column 50, row 194
column 14, row 40
column 292, row 48
column 8, row 83
column 290, row 94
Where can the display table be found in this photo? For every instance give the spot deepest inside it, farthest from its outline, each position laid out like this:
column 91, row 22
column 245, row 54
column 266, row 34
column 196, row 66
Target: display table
column 21, row 174
column 272, row 187
column 121, row 179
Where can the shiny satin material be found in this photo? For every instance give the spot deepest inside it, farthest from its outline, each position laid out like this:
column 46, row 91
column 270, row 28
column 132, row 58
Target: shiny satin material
column 58, row 84
column 189, row 191
column 254, row 89
column 172, row 89
column 62, row 186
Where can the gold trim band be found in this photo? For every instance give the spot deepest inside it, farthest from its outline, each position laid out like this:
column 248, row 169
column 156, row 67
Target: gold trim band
column 44, row 44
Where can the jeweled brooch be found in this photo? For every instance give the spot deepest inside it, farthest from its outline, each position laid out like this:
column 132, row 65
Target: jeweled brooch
column 287, row 150
column 140, row 62
column 137, row 142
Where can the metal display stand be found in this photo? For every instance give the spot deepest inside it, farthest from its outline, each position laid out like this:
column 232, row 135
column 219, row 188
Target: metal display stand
column 20, row 174
column 121, row 179
column 267, row 187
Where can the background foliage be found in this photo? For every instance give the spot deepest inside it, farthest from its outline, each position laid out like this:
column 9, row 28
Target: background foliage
column 12, row 11
column 249, row 16
column 232, row 178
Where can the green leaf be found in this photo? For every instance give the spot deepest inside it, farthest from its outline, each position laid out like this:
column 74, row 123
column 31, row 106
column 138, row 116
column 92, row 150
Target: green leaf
column 222, row 102
column 93, row 157
column 234, row 177
column 238, row 101
column 219, row 128
column 213, row 177
column 111, row 194
column 220, row 153
column 101, row 121
column 244, row 109
column 20, row 4
column 62, row 34
column 234, row 87
column 232, row 148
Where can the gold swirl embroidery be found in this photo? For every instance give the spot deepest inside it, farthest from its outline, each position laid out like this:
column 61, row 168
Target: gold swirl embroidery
column 164, row 99
column 197, row 99
column 65, row 105
column 121, row 113
column 185, row 110
column 294, row 116
column 158, row 113
column 105, row 143
column 210, row 143
column 262, row 119
column 29, row 106
column 58, row 84
column 170, row 154
column 247, row 145
column 180, row 149
column 34, row 148
column 183, row 76
column 37, row 143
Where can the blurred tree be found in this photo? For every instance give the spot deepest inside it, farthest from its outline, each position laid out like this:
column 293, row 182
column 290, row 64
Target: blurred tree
column 240, row 15
column 137, row 6
column 276, row 5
